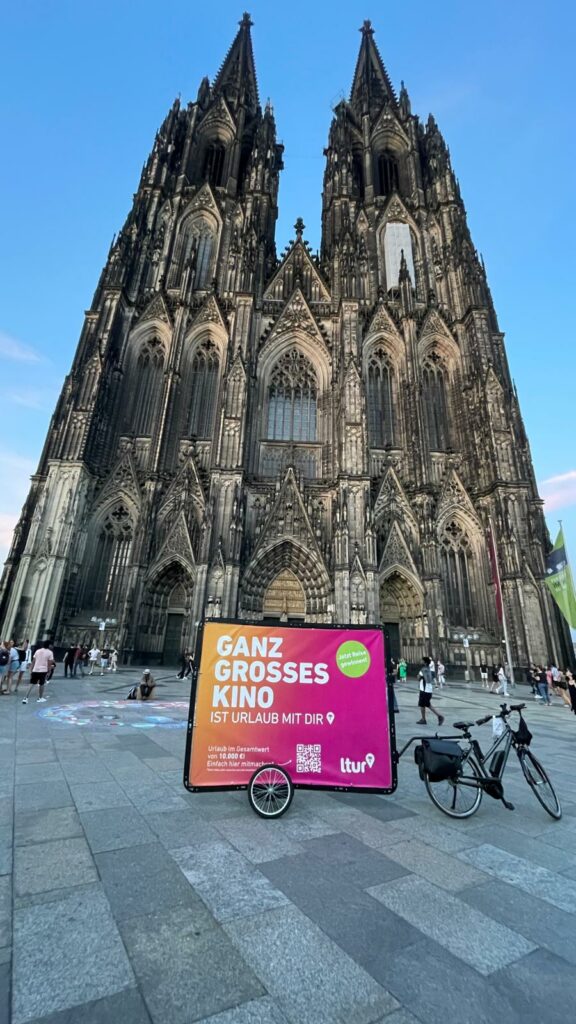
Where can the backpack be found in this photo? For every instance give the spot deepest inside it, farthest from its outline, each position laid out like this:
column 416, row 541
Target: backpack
column 132, row 694
column 4, row 655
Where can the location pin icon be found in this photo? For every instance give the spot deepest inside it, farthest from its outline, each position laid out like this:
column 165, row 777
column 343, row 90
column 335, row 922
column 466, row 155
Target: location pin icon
column 369, row 759
column 329, row 717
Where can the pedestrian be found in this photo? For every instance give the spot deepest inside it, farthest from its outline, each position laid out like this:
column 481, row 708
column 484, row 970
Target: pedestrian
column 484, row 676
column 113, row 666
column 571, row 684
column 561, row 689
column 402, row 670
column 502, row 682
column 440, row 673
column 94, row 658
column 77, row 663
column 432, row 666
column 426, row 689
column 495, row 679
column 69, row 661
column 25, row 656
column 147, row 686
column 13, row 666
column 543, row 686
column 104, row 660
column 184, row 665
column 42, row 664
column 4, row 659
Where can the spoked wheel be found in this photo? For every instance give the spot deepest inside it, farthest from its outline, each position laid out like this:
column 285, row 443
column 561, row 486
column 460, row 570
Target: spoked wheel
column 460, row 797
column 270, row 791
column 539, row 783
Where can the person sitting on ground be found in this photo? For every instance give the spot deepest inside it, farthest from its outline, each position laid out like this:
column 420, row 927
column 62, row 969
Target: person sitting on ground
column 147, row 686
column 426, row 690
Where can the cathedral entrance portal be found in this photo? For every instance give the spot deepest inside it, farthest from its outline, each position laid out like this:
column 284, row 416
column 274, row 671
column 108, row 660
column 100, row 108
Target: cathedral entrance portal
column 284, row 598
column 402, row 613
column 164, row 612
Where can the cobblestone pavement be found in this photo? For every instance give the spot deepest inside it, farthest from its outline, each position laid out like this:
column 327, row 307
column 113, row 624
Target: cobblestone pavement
column 132, row 900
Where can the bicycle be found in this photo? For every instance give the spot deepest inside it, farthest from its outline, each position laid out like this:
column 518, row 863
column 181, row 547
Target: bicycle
column 456, row 777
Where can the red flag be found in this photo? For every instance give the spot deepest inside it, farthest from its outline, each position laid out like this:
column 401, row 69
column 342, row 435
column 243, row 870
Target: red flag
column 493, row 555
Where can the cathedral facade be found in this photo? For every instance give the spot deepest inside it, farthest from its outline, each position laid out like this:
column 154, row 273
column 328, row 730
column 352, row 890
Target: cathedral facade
column 317, row 437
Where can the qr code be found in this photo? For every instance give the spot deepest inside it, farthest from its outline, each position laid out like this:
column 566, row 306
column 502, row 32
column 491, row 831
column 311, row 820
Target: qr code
column 308, row 757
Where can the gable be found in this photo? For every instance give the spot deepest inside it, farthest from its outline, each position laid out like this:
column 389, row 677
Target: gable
column 392, row 502
column 396, row 552
column 454, row 498
column 156, row 310
column 296, row 318
column 295, row 262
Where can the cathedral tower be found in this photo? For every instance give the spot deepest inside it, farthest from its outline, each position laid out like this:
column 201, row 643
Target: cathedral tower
column 316, row 438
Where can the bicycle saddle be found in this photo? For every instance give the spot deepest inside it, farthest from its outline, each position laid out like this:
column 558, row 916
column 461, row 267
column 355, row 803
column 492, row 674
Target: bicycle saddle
column 462, row 725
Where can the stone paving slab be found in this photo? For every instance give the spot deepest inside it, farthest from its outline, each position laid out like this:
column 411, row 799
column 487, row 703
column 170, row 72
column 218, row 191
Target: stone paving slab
column 465, row 932
column 187, row 967
column 141, row 879
column 318, row 983
column 229, row 885
column 55, row 865
column 126, row 1007
column 114, row 828
column 531, row 878
column 39, row 826
column 85, row 959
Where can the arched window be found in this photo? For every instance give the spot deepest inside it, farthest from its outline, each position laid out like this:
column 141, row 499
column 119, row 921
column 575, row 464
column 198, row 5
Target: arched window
column 292, row 399
column 213, row 168
column 434, row 397
column 388, row 179
column 145, row 383
column 108, row 576
column 381, row 412
column 203, row 390
column 194, row 250
column 456, row 557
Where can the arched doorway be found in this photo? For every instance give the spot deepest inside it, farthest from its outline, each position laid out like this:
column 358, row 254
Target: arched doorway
column 165, row 614
column 402, row 614
column 284, row 598
column 307, row 581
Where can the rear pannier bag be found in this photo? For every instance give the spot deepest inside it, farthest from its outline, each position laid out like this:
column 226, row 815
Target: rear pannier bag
column 441, row 759
column 523, row 734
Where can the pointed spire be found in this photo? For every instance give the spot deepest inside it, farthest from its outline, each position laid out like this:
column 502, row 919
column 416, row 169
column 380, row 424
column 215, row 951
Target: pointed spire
column 371, row 87
column 237, row 76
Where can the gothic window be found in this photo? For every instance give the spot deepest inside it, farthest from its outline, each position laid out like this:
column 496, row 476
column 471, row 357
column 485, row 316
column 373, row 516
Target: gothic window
column 292, row 399
column 108, row 577
column 203, row 390
column 434, row 397
column 380, row 400
column 457, row 560
column 213, row 168
column 387, row 179
column 194, row 250
column 146, row 385
column 397, row 241
column 204, row 244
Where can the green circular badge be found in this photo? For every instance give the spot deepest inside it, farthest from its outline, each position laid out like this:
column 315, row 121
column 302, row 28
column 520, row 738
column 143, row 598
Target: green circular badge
column 353, row 659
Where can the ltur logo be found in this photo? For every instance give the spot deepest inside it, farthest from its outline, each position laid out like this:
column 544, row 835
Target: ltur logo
column 348, row 767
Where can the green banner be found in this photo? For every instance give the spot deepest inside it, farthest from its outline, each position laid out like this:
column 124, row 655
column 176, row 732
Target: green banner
column 559, row 580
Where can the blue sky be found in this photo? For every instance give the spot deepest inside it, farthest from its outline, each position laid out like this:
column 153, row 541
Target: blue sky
column 84, row 86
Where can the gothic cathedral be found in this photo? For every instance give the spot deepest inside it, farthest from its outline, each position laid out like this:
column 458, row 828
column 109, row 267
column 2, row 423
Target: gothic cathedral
column 314, row 438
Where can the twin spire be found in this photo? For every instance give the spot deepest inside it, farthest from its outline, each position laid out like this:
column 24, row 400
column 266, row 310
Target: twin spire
column 237, row 76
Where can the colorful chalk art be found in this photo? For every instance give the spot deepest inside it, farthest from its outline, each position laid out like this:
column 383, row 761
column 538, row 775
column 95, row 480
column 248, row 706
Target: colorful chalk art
column 120, row 714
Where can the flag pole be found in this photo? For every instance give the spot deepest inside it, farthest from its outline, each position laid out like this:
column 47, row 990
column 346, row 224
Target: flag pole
column 502, row 601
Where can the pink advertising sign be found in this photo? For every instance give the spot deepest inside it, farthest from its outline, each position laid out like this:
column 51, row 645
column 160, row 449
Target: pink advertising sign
column 311, row 699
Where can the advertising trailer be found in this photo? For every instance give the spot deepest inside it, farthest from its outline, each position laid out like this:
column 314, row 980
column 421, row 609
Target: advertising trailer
column 276, row 707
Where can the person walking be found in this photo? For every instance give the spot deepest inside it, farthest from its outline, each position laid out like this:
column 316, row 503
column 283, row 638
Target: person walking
column 484, row 676
column 495, row 679
column 440, row 673
column 104, row 660
column 502, row 682
column 571, row 684
column 543, row 691
column 561, row 689
column 426, row 689
column 42, row 664
column 113, row 666
column 25, row 656
column 69, row 661
column 4, row 659
column 402, row 670
column 13, row 666
column 93, row 658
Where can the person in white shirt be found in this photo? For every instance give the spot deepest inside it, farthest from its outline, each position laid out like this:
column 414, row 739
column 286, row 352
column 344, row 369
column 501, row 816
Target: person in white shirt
column 502, row 682
column 94, row 659
column 42, row 662
column 440, row 674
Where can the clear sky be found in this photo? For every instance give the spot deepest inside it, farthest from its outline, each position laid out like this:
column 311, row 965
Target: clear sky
column 84, row 86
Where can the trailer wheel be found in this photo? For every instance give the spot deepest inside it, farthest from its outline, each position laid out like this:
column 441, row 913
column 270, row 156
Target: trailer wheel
column 270, row 791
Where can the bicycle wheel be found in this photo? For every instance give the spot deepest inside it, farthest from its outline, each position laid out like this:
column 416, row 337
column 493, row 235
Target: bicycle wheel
column 460, row 797
column 270, row 791
column 539, row 783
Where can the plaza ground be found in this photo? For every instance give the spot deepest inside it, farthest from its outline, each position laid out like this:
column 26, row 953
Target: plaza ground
column 125, row 898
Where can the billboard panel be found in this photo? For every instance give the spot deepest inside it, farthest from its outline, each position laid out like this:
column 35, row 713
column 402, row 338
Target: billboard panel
column 312, row 699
